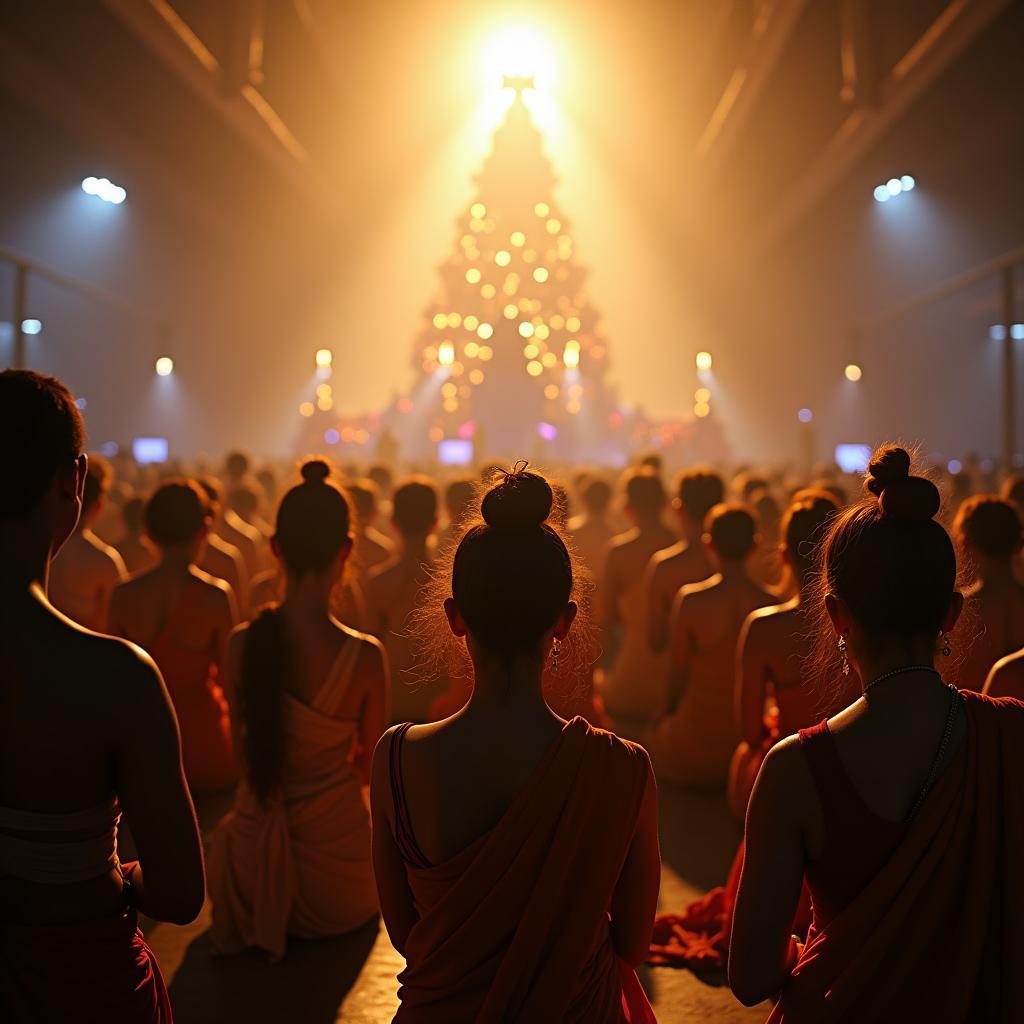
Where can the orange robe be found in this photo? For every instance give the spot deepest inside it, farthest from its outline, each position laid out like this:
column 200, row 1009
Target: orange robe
column 206, row 747
column 516, row 926
column 938, row 934
column 300, row 864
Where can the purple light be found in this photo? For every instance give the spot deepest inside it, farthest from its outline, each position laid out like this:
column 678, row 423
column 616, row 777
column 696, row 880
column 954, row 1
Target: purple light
column 547, row 431
column 331, row 436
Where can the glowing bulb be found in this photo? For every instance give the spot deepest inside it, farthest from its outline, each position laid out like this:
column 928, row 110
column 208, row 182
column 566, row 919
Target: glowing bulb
column 534, row 369
column 306, row 409
column 440, row 320
column 518, row 51
column 703, row 360
column 701, row 409
column 502, row 258
column 805, row 415
column 907, row 182
column 31, row 326
column 895, row 186
column 478, row 211
column 473, row 275
column 881, row 194
column 164, row 366
column 526, row 329
column 446, row 353
column 484, row 331
column 702, row 395
column 542, row 209
column 324, row 357
column 540, row 275
column 571, row 356
column 853, row 372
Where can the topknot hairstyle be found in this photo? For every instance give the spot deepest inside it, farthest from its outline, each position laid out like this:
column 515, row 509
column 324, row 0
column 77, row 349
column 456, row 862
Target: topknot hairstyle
column 42, row 431
column 900, row 495
column 313, row 521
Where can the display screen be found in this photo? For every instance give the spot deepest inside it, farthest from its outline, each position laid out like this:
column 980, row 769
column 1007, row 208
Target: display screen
column 853, row 458
column 455, row 452
column 150, row 449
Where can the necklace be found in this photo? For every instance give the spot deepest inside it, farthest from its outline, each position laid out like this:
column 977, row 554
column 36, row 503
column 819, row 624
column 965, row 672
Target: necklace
column 900, row 672
column 954, row 704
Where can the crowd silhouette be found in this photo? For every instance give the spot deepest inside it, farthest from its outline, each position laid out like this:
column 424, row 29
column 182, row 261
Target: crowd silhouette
column 430, row 696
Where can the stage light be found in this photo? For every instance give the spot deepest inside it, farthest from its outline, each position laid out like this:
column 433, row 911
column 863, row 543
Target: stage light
column 306, row 409
column 324, row 358
column 105, row 189
column 540, row 275
column 881, row 194
column 446, row 353
column 542, row 209
column 997, row 332
column 331, row 436
column 534, row 369
column 954, row 466
column 31, row 326
column 473, row 275
column 805, row 415
column 478, row 211
column 164, row 366
column 702, row 395
column 895, row 186
column 483, row 332
column 853, row 372
column 703, row 360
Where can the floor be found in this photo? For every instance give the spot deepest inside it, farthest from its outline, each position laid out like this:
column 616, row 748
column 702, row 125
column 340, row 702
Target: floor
column 351, row 979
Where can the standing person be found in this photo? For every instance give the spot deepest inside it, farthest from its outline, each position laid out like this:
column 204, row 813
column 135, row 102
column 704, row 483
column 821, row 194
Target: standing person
column 87, row 570
column 183, row 617
column 693, row 742
column 697, row 492
column 309, row 702
column 87, row 732
column 989, row 534
column 134, row 546
column 516, row 854
column 902, row 813
column 393, row 590
column 633, row 688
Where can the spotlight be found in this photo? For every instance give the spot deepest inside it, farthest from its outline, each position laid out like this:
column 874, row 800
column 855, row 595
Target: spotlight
column 31, row 326
column 703, row 360
column 894, row 187
column 446, row 353
column 881, row 194
column 805, row 415
column 105, row 189
column 853, row 372
column 324, row 357
column 164, row 366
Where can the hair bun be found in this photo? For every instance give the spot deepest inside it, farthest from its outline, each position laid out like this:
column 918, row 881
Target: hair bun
column 315, row 471
column 888, row 466
column 517, row 502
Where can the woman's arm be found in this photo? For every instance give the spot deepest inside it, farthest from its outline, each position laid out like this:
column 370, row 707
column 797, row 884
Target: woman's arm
column 151, row 788
column 396, row 901
column 635, row 899
column 376, row 707
column 762, row 951
column 751, row 682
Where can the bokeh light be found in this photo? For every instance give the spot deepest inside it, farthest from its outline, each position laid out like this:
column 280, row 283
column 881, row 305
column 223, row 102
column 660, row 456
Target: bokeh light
column 164, row 366
column 853, row 372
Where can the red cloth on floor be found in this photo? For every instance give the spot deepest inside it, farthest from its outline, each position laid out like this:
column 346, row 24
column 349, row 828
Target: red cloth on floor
column 938, row 934
column 95, row 972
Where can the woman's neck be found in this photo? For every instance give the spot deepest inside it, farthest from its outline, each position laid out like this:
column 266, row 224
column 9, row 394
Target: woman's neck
column 507, row 686
column 995, row 573
column 307, row 600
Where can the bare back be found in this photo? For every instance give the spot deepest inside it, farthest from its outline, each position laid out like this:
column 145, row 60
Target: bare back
column 995, row 617
column 82, row 577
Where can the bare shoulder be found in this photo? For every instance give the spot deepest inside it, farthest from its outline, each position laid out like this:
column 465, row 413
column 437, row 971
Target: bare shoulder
column 698, row 593
column 117, row 668
column 371, row 650
column 785, row 776
column 770, row 619
column 621, row 542
column 1007, row 677
column 215, row 590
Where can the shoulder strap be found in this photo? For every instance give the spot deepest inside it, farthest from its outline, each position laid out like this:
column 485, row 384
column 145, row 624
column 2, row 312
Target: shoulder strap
column 406, row 842
column 329, row 697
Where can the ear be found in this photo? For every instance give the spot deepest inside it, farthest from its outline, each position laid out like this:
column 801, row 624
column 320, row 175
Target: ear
column 72, row 484
column 838, row 613
column 956, row 606
column 455, row 621
column 566, row 620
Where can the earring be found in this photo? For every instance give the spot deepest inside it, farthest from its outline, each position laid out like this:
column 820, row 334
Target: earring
column 947, row 648
column 556, row 650
column 841, row 645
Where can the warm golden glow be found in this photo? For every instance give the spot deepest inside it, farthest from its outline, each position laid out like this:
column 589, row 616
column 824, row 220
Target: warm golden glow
column 449, row 390
column 488, row 291
column 325, row 403
column 436, row 434
column 446, row 353
column 323, row 390
column 853, row 372
column 486, row 352
column 483, row 332
column 572, row 324
column 571, row 356
column 540, row 275
column 549, row 359
column 701, row 409
column 451, row 404
column 306, row 409
column 517, row 238
column 478, row 211
column 541, row 331
column 473, row 275
column 472, row 350
column 703, row 362
column 534, row 369
column 530, row 351
column 511, row 311
column 572, row 407
column 526, row 329
column 542, row 209
column 476, row 376
column 551, row 392
column 471, row 323
column 502, row 258
column 323, row 357
column 440, row 320
column 702, row 395
column 554, row 226
column 454, row 319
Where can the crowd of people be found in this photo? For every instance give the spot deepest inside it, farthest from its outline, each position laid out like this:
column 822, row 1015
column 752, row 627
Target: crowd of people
column 449, row 700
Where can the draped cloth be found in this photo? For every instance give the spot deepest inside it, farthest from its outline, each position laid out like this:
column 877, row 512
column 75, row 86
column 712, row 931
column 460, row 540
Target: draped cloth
column 516, row 926
column 938, row 934
column 96, row 972
column 300, row 863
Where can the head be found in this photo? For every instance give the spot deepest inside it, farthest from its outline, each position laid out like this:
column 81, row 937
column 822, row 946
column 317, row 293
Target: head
column 268, row 481
column 364, row 496
column 42, row 494
column 414, row 508
column 730, row 533
column 178, row 517
column 888, row 569
column 645, row 495
column 988, row 529
column 214, row 495
column 514, row 587
column 133, row 515
column 746, row 483
column 803, row 527
column 458, row 497
column 313, row 536
column 697, row 492
column 236, row 466
column 652, row 460
column 1013, row 492
column 596, row 496
column 382, row 477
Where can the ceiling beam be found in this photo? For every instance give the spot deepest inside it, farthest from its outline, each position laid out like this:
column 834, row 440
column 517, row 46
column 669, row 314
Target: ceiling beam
column 239, row 102
column 939, row 46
